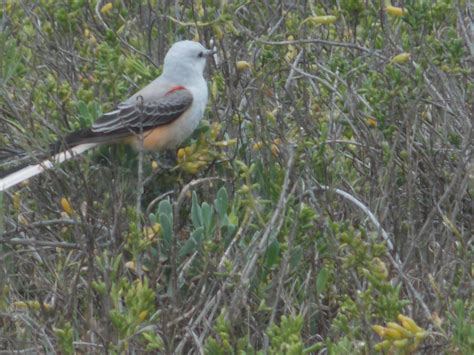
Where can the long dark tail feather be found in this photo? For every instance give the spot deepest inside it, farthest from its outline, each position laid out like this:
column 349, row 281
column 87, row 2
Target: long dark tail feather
column 70, row 141
column 25, row 165
column 31, row 170
column 18, row 165
column 7, row 153
column 14, row 159
column 84, row 136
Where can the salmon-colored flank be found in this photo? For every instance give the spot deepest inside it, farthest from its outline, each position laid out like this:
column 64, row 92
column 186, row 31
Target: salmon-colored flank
column 153, row 139
column 174, row 89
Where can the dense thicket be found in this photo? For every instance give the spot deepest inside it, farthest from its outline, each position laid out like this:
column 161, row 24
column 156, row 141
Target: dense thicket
column 328, row 191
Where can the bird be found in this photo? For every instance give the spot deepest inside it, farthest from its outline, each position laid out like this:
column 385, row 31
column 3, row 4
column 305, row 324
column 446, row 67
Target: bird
column 159, row 116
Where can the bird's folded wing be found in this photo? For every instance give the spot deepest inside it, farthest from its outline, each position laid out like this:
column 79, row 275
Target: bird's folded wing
column 145, row 114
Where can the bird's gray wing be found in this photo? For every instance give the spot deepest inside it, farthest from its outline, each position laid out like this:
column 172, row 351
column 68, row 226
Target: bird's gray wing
column 132, row 117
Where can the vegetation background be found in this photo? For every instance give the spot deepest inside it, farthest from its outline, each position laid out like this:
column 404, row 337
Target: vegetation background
column 325, row 205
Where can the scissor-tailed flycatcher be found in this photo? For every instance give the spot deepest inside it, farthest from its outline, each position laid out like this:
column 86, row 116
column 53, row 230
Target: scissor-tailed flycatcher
column 166, row 112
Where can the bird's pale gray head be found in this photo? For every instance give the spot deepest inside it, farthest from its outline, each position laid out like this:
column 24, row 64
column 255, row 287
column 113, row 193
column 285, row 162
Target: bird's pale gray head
column 186, row 58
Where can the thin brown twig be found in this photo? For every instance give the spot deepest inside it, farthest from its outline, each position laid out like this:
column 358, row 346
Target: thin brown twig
column 39, row 243
column 324, row 42
column 283, row 271
column 273, row 228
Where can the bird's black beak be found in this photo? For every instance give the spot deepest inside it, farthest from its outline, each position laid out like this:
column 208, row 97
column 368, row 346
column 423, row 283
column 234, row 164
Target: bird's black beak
column 210, row 52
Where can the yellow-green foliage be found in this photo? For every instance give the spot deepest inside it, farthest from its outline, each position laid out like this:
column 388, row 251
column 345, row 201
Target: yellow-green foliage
column 325, row 196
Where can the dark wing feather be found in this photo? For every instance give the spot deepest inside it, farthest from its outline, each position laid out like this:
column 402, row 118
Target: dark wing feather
column 144, row 115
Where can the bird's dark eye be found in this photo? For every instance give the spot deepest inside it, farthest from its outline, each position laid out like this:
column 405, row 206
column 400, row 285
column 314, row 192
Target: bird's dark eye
column 200, row 55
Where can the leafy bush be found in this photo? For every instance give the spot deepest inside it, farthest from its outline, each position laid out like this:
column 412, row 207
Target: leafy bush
column 327, row 192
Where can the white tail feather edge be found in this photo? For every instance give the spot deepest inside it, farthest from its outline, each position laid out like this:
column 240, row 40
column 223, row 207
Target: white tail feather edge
column 33, row 170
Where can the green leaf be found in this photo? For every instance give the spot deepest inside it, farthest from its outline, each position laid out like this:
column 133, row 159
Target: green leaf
column 154, row 341
column 116, row 265
column 273, row 251
column 165, row 208
column 94, row 110
column 152, row 217
column 296, row 255
column 233, row 218
column 82, row 110
column 322, row 280
column 9, row 58
column 207, row 213
column 220, row 203
column 196, row 213
column 65, row 337
column 193, row 243
column 167, row 229
column 228, row 231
